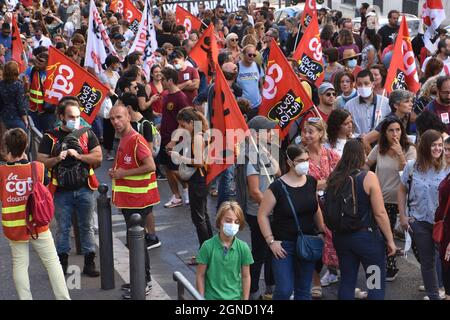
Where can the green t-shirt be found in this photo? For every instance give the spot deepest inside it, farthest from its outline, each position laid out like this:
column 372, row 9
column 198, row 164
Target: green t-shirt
column 223, row 279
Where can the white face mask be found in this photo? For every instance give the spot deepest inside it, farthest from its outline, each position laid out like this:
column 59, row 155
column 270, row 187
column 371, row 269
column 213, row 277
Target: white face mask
column 73, row 124
column 352, row 63
column 302, row 168
column 365, row 92
column 230, row 229
column 27, row 20
column 177, row 66
column 158, row 59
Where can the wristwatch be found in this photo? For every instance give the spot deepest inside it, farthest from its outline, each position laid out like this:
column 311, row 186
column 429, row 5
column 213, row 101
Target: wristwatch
column 270, row 242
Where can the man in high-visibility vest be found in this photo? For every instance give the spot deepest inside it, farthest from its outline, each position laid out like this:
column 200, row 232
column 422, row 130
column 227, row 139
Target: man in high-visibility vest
column 134, row 186
column 70, row 153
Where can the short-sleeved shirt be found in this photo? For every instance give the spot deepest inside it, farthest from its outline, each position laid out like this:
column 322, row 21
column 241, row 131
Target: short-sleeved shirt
column 252, row 205
column 364, row 116
column 443, row 112
column 424, row 191
column 248, row 79
column 142, row 149
column 223, row 278
column 172, row 104
column 186, row 75
column 387, row 171
column 387, row 34
column 304, row 199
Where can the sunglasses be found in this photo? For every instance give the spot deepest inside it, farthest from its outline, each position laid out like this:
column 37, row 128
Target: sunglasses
column 314, row 119
column 250, row 55
column 329, row 94
column 234, row 39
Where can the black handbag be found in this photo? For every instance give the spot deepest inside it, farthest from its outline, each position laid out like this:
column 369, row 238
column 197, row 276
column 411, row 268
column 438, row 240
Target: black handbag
column 307, row 247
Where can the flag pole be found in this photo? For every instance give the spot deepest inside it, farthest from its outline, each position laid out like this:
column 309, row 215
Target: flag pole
column 264, row 167
column 317, row 111
column 378, row 114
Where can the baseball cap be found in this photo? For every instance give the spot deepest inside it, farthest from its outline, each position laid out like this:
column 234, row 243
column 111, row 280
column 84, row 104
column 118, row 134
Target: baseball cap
column 118, row 36
column 261, row 122
column 324, row 87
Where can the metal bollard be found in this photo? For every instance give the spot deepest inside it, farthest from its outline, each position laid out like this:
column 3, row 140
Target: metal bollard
column 136, row 245
column 105, row 238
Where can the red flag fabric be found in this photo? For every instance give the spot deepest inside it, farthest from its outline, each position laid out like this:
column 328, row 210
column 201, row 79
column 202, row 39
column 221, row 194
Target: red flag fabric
column 116, row 6
column 284, row 98
column 402, row 72
column 131, row 14
column 226, row 117
column 309, row 11
column 187, row 19
column 205, row 52
column 66, row 78
column 309, row 54
column 17, row 47
column 433, row 14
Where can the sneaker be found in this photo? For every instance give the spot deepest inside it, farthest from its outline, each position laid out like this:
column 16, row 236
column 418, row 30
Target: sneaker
column 328, row 279
column 267, row 296
column 174, row 202
column 391, row 274
column 161, row 177
column 127, row 286
column 441, row 295
column 185, row 196
column 127, row 294
column 109, row 156
column 152, row 243
column 422, row 288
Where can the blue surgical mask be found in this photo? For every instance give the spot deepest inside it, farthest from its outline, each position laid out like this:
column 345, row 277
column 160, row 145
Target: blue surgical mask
column 352, row 63
column 73, row 124
column 230, row 229
column 177, row 67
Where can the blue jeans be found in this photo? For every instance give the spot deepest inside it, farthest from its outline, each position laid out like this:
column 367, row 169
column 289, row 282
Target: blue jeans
column 291, row 274
column 361, row 247
column 224, row 185
column 81, row 203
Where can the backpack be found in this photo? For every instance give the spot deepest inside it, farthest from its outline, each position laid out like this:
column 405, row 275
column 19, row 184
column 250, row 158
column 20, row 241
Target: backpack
column 39, row 208
column 341, row 207
column 155, row 134
column 71, row 173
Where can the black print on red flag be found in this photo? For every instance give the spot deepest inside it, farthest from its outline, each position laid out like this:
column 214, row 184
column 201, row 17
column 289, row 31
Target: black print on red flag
column 286, row 110
column 89, row 98
column 309, row 68
column 399, row 81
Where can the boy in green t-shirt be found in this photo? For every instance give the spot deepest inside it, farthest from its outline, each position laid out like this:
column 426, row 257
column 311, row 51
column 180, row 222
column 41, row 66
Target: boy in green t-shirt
column 223, row 271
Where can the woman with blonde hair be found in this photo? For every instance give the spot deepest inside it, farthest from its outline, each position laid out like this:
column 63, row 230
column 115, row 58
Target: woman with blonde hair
column 232, row 46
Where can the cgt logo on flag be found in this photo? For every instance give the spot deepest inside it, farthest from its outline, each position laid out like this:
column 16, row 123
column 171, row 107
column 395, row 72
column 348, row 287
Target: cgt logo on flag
column 399, row 81
column 309, row 68
column 59, row 76
column 286, row 110
column 89, row 98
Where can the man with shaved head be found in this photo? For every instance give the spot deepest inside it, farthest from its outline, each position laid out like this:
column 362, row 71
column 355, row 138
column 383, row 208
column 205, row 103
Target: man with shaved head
column 134, row 184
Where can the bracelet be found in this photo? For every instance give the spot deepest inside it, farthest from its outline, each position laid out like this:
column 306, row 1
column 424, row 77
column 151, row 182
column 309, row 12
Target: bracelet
column 271, row 242
column 270, row 235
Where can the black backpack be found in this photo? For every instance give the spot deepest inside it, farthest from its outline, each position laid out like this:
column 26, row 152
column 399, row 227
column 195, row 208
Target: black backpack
column 71, row 174
column 341, row 207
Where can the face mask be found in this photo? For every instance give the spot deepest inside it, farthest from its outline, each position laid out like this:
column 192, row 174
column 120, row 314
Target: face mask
column 365, row 92
column 4, row 9
column 302, row 168
column 352, row 63
column 433, row 97
column 123, row 43
column 73, row 124
column 177, row 66
column 230, row 229
column 27, row 20
column 158, row 59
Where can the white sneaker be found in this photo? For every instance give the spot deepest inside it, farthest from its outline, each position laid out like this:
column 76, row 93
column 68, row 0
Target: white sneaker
column 441, row 295
column 328, row 278
column 173, row 202
column 185, row 196
column 360, row 295
column 421, row 287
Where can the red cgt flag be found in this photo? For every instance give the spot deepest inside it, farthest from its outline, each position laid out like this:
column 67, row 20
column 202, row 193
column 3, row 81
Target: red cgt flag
column 187, row 19
column 309, row 54
column 17, row 47
column 205, row 52
column 116, row 6
column 131, row 14
column 226, row 117
column 66, row 78
column 284, row 98
column 309, row 11
column 402, row 72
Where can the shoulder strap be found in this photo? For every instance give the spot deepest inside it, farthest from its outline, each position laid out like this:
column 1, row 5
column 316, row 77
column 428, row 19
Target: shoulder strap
column 78, row 133
column 410, row 178
column 288, row 196
column 374, row 114
column 33, row 175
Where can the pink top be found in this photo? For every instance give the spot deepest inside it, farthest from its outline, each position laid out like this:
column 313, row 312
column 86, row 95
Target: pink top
column 327, row 163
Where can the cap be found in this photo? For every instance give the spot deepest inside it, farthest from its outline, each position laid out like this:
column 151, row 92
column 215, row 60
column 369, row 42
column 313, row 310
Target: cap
column 118, row 36
column 324, row 87
column 349, row 54
column 261, row 122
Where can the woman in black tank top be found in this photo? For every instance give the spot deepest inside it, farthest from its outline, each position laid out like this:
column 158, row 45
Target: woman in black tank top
column 366, row 245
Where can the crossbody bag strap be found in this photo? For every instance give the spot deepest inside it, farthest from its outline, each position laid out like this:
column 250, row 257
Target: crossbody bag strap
column 374, row 114
column 288, row 196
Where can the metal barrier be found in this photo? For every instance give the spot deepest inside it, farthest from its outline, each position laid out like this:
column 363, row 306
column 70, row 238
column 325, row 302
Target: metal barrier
column 183, row 283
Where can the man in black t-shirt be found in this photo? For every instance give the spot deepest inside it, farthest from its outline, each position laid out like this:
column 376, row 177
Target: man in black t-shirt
column 389, row 31
column 71, row 193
